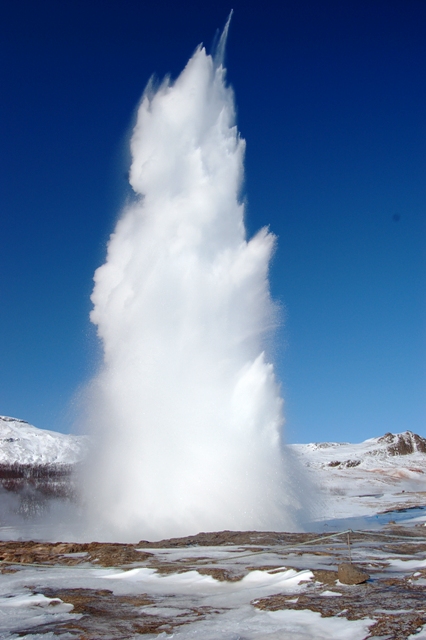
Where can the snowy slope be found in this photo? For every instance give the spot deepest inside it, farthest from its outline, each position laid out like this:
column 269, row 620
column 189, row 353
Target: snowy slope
column 392, row 456
column 385, row 461
column 21, row 443
column 348, row 480
column 363, row 479
column 389, row 451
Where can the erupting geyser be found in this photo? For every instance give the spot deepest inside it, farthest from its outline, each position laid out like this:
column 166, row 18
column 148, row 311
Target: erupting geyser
column 187, row 410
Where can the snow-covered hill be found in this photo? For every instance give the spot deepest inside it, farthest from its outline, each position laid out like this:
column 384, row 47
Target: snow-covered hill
column 348, row 480
column 378, row 475
column 388, row 450
column 36, row 467
column 388, row 459
column 390, row 455
column 23, row 444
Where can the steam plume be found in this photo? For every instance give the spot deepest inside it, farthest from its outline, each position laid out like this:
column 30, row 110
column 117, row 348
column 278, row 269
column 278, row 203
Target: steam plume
column 186, row 406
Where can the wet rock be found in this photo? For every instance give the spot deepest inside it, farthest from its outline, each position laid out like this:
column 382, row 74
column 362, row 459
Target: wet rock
column 349, row 573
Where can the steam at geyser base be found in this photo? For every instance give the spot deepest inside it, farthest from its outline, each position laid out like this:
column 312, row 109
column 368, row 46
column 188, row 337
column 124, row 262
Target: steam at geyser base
column 186, row 410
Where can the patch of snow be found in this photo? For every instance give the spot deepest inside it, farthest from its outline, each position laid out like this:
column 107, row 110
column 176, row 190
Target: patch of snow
column 27, row 610
column 22, row 443
column 406, row 565
column 234, row 617
column 252, row 624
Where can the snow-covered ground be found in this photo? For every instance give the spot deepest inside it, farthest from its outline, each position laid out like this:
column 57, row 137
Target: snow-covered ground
column 266, row 591
column 269, row 591
column 227, row 605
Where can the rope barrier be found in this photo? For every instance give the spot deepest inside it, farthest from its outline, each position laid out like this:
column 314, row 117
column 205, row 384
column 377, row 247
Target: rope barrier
column 274, row 549
column 316, row 540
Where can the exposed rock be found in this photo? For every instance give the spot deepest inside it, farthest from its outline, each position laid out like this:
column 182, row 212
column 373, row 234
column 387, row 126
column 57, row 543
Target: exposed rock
column 347, row 463
column 402, row 444
column 326, row 576
column 219, row 538
column 223, row 575
column 101, row 553
column 349, row 573
column 352, row 463
column 327, row 445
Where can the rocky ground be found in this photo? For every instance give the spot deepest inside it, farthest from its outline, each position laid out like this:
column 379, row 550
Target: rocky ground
column 393, row 598
column 223, row 585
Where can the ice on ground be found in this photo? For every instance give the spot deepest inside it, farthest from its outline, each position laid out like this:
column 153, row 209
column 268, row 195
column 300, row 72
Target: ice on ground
column 263, row 593
column 27, row 610
column 421, row 635
column 236, row 617
column 255, row 584
column 251, row 624
column 406, row 565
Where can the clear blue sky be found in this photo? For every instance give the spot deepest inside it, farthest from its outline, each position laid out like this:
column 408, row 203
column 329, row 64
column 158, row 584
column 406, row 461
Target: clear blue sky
column 331, row 100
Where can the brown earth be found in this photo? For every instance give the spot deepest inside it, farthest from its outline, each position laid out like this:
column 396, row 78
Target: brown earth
column 397, row 605
column 396, row 602
column 106, row 616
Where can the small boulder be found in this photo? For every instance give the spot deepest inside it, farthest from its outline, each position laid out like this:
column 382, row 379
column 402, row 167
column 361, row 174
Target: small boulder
column 349, row 573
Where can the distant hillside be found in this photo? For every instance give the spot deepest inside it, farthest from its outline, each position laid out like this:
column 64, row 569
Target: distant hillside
column 390, row 450
column 38, row 465
column 373, row 477
column 351, row 479
column 22, row 443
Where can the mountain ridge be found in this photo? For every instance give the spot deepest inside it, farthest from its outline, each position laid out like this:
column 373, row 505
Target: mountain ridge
column 351, row 481
column 22, row 443
column 25, row 444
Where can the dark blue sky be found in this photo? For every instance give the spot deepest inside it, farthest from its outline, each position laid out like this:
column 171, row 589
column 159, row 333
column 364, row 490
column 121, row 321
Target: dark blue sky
column 331, row 100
